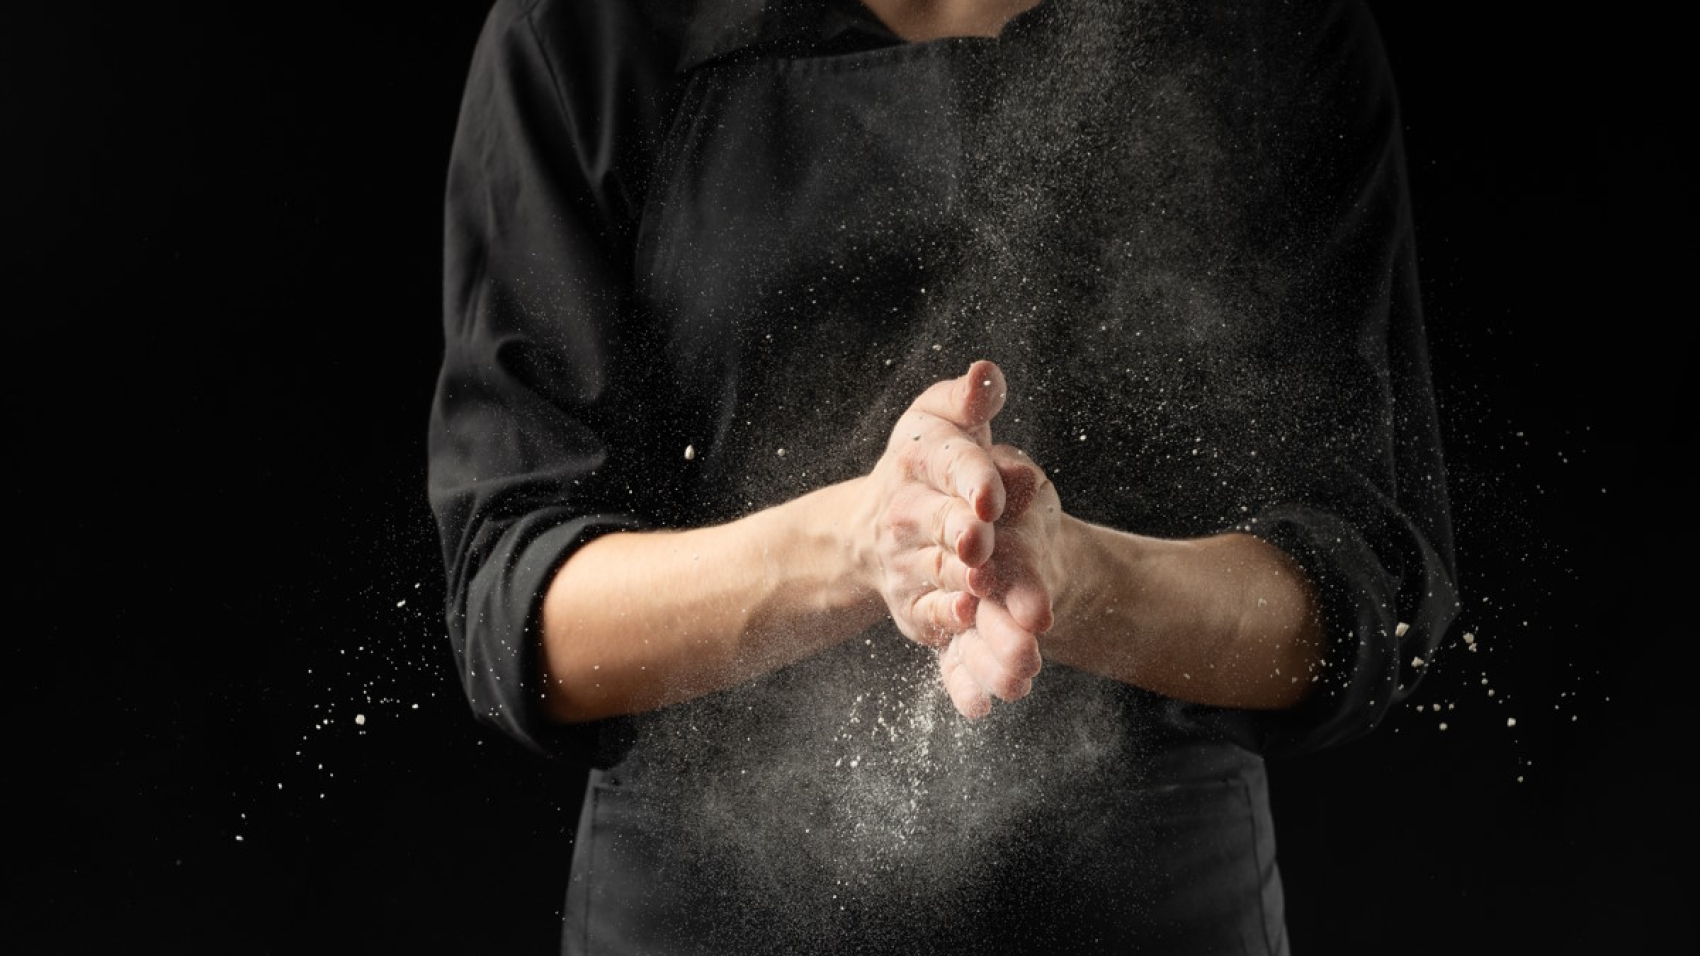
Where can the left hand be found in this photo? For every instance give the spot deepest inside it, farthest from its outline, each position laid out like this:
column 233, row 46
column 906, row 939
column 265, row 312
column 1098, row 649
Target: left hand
column 999, row 656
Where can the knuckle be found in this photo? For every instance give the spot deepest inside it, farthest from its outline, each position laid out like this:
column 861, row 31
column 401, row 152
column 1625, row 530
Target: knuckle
column 886, row 531
column 938, row 615
column 956, row 575
column 941, row 519
column 913, row 609
column 909, row 456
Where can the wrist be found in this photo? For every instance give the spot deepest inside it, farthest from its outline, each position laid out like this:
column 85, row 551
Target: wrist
column 1104, row 606
column 1090, row 582
column 842, row 528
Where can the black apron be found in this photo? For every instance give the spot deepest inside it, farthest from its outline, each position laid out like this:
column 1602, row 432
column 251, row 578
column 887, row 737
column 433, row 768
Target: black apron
column 825, row 236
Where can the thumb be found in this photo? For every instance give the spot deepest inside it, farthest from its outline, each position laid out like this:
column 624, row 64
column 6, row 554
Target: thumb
column 979, row 396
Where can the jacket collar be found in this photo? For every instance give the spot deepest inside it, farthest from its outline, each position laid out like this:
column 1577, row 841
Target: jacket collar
column 716, row 29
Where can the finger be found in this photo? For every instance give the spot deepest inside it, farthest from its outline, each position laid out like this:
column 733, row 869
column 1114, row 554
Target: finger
column 965, row 693
column 948, row 462
column 1028, row 602
column 1022, row 479
column 1006, row 677
column 1011, row 580
column 966, row 470
column 966, row 404
column 1015, row 647
column 952, row 575
column 968, row 401
column 937, row 616
column 960, row 533
column 982, row 390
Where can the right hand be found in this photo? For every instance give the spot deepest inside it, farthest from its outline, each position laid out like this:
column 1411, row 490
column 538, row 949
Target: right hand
column 933, row 498
column 999, row 656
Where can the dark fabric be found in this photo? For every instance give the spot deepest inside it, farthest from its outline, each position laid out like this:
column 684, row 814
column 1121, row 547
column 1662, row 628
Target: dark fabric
column 728, row 29
column 1186, row 866
column 757, row 227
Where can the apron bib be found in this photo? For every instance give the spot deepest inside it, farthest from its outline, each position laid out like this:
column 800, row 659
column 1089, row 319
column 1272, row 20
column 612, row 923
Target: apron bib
column 823, row 238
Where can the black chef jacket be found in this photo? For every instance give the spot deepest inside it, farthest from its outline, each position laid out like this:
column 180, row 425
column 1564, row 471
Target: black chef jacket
column 756, row 231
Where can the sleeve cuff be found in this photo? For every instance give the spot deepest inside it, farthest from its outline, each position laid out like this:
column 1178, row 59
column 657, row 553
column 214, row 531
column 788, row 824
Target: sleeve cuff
column 501, row 674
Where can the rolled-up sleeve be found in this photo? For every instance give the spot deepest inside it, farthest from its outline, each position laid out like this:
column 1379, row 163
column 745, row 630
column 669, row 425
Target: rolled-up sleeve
column 1381, row 557
column 541, row 363
column 1367, row 515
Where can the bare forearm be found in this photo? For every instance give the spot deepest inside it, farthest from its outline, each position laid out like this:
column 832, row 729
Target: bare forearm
column 1227, row 620
column 635, row 621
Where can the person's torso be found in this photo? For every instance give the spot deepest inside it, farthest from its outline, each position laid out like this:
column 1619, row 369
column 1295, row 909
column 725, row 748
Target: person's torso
column 1124, row 210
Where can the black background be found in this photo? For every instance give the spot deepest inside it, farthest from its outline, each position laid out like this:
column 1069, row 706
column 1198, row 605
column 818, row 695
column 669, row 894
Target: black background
column 223, row 327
